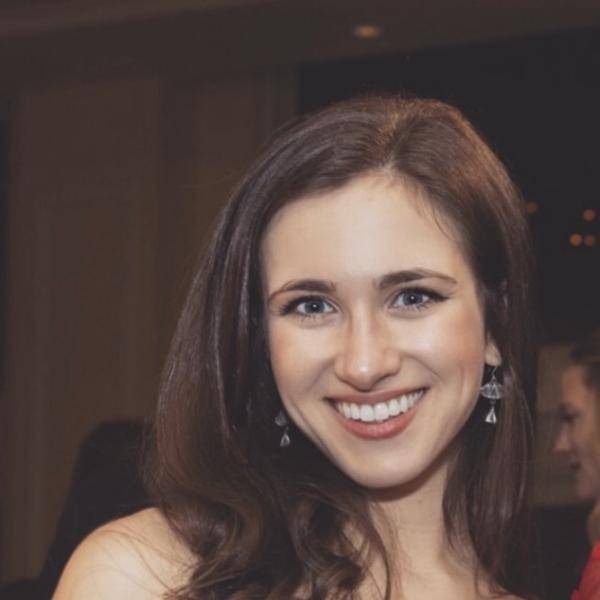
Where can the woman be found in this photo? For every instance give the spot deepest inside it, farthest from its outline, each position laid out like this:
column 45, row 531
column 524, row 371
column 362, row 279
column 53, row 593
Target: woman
column 579, row 438
column 330, row 422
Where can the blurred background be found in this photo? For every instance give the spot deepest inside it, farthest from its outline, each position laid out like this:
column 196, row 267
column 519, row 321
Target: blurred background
column 125, row 123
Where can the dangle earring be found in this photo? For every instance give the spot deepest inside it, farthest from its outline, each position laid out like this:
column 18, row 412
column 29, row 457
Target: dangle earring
column 493, row 390
column 281, row 421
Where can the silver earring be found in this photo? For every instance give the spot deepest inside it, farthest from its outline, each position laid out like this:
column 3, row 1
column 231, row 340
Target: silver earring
column 281, row 421
column 493, row 390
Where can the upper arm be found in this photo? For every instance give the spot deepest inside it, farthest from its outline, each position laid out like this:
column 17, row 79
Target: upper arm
column 123, row 559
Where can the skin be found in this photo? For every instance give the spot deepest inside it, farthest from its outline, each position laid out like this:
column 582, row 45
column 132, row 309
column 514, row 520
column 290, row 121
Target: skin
column 134, row 558
column 356, row 337
column 578, row 436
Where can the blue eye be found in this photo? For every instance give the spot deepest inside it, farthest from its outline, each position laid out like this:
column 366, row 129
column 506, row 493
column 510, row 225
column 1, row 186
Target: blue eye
column 415, row 299
column 308, row 307
column 313, row 307
column 411, row 298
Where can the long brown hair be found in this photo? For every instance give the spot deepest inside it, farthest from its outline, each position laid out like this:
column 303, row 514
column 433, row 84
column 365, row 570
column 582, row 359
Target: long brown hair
column 267, row 523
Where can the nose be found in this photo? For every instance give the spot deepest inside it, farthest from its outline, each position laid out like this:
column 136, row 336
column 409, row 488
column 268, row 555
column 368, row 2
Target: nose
column 367, row 353
column 562, row 443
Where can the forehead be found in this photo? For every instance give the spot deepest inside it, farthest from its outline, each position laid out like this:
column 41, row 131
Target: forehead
column 575, row 391
column 375, row 224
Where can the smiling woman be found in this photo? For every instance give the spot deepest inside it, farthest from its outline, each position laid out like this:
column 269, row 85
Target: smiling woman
column 329, row 423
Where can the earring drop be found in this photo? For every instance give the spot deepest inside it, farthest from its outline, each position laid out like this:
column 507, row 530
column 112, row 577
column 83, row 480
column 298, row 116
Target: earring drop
column 281, row 421
column 493, row 390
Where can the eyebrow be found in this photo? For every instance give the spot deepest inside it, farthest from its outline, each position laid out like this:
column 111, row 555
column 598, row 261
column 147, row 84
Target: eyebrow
column 319, row 286
column 407, row 276
column 388, row 280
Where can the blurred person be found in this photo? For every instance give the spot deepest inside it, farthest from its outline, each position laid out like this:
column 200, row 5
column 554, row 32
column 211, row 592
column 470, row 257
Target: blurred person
column 579, row 438
column 346, row 409
column 579, row 433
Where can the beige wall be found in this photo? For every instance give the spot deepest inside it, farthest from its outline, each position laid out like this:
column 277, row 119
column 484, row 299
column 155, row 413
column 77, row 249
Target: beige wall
column 114, row 184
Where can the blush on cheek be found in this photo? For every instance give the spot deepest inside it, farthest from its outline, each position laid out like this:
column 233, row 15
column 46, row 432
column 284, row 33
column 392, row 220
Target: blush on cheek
column 281, row 353
column 297, row 359
column 456, row 337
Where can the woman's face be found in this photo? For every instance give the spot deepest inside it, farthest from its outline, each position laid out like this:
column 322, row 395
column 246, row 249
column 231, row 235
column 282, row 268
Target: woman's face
column 375, row 330
column 578, row 435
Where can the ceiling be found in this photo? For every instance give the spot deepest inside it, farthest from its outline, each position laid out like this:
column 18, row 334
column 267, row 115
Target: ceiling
column 25, row 17
column 45, row 40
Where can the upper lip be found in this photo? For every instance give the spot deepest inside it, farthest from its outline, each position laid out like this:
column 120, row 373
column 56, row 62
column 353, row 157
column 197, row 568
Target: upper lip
column 373, row 397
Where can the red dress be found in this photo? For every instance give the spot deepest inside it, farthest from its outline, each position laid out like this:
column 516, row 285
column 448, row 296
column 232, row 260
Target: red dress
column 589, row 586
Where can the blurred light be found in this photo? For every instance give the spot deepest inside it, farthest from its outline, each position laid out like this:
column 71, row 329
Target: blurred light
column 367, row 32
column 532, row 207
column 576, row 239
column 589, row 214
column 589, row 240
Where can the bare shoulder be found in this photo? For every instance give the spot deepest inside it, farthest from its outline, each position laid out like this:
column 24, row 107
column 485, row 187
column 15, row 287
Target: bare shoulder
column 137, row 557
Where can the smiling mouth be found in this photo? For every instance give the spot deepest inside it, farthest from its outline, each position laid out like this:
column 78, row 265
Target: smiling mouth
column 381, row 411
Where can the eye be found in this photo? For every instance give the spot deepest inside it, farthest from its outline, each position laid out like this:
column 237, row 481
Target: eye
column 308, row 307
column 568, row 418
column 415, row 299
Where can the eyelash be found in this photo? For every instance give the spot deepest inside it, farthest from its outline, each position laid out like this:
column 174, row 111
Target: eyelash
column 432, row 297
column 292, row 306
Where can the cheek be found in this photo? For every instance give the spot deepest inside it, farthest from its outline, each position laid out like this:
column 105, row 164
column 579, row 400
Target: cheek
column 591, row 445
column 454, row 343
column 297, row 359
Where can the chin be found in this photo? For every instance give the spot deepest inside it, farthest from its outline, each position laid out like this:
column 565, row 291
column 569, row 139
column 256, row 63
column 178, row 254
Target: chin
column 398, row 469
column 381, row 482
column 389, row 477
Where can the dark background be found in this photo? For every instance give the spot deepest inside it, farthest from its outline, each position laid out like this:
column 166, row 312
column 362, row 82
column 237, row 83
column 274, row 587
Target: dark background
column 3, row 240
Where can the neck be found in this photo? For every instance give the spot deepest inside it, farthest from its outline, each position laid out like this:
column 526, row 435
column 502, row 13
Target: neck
column 411, row 521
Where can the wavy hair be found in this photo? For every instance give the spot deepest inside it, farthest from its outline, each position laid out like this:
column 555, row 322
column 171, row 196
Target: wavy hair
column 265, row 523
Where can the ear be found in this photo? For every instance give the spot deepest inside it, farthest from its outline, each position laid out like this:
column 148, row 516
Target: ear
column 492, row 354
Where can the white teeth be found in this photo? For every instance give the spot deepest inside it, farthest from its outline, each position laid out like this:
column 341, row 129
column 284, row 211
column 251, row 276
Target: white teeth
column 367, row 414
column 381, row 411
column 414, row 398
column 403, row 404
